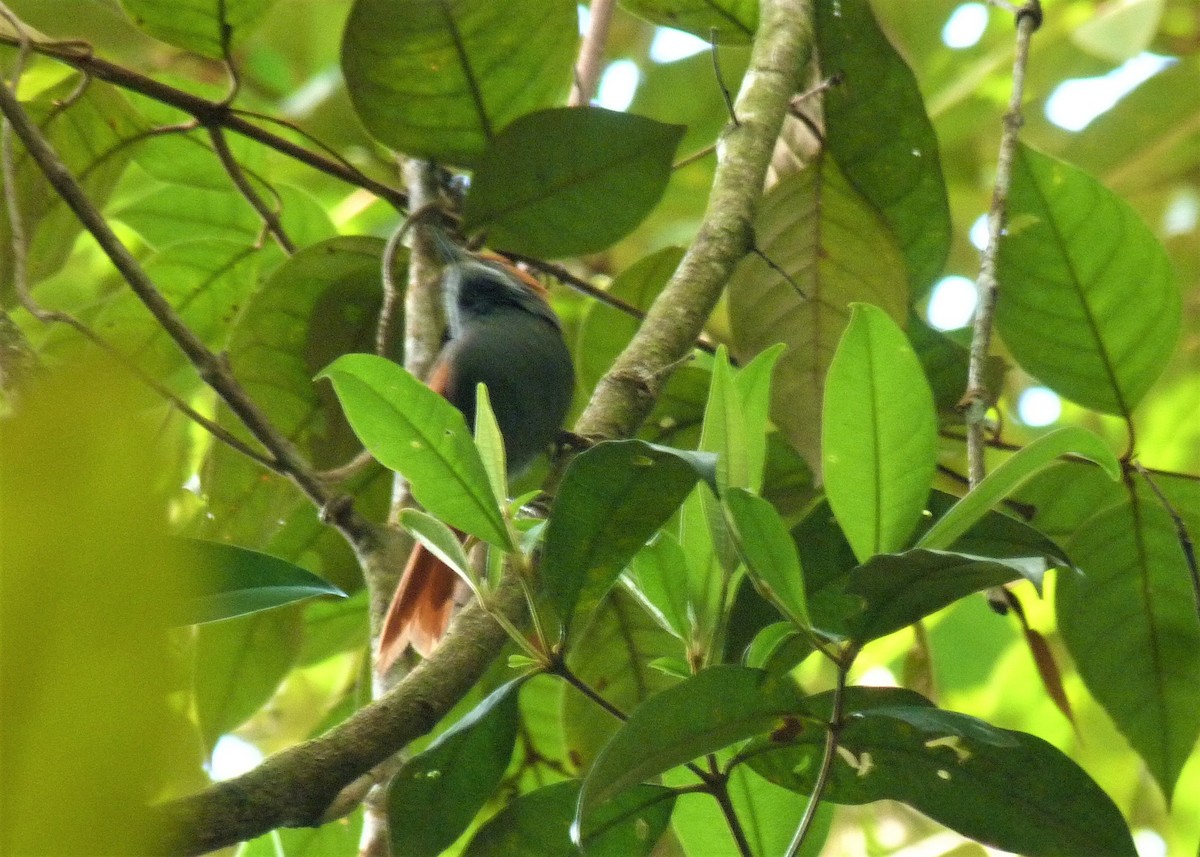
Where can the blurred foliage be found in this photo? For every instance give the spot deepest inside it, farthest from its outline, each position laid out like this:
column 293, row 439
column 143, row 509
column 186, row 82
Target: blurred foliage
column 90, row 472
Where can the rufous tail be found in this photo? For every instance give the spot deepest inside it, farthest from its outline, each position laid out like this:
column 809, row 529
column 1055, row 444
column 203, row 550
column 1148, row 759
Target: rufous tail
column 420, row 611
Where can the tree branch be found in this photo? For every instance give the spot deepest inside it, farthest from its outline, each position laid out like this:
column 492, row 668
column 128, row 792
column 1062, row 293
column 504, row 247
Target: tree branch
column 624, row 397
column 591, row 52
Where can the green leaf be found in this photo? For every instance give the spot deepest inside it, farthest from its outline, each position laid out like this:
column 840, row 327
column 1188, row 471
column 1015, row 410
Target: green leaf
column 439, row 539
column 945, row 362
column 1121, row 31
column 320, row 303
column 898, row 589
column 877, row 131
column 333, row 839
column 734, row 20
column 538, row 824
column 1130, row 625
column 1006, row 789
column 239, row 664
column 569, row 181
column 710, row 711
column 767, row 550
column 879, row 434
column 998, row 535
column 195, row 25
column 233, row 581
column 659, row 572
column 490, row 443
column 414, row 431
column 1087, row 301
column 836, row 249
column 613, row 497
column 439, row 80
column 1009, row 476
column 437, row 793
column 753, row 384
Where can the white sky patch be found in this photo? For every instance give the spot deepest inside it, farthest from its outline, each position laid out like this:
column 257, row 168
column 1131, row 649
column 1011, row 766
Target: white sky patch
column 1076, row 102
column 618, row 85
column 979, row 232
column 1149, row 843
column 232, row 756
column 1183, row 212
column 879, row 676
column 670, row 45
column 951, row 303
column 965, row 26
column 1039, row 406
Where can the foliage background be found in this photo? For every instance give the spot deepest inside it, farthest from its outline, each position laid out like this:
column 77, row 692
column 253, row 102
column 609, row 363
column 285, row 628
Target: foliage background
column 277, row 677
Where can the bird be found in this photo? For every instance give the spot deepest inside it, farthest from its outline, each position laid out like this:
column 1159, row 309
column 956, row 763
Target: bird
column 502, row 332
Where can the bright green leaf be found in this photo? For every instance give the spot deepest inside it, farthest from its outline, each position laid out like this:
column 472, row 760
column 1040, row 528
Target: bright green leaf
column 491, row 445
column 439, row 539
column 768, row 551
column 195, row 25
column 733, row 20
column 879, row 434
column 414, row 431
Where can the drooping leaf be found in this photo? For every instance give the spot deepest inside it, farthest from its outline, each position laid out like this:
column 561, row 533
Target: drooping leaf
column 877, row 131
column 1130, row 624
column 1087, row 301
column 411, row 429
column 706, row 713
column 435, row 795
column 1003, row 788
column 538, row 824
column 195, row 25
column 659, row 571
column 733, row 20
column 612, row 499
column 570, row 180
column 767, row 550
column 439, row 80
column 879, row 434
column 836, row 249
column 490, row 443
column 232, row 581
column 1009, row 476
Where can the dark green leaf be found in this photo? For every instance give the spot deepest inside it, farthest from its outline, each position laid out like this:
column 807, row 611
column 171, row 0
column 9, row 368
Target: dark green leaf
column 439, row 80
column 613, row 497
column 435, row 795
column 411, row 429
column 569, row 181
column 877, row 131
column 709, row 711
column 659, row 571
column 1003, row 788
column 945, row 363
column 1130, row 624
column 879, row 434
column 232, row 581
column 1088, row 303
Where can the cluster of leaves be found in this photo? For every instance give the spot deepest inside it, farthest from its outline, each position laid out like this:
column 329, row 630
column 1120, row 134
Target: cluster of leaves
column 684, row 578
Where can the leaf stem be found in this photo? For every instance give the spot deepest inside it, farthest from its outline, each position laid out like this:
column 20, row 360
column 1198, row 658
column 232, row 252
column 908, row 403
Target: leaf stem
column 831, row 742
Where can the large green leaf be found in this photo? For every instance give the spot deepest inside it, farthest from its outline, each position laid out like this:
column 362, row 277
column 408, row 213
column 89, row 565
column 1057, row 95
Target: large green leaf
column 411, row 429
column 232, row 581
column 659, row 571
column 196, row 25
column 568, row 181
column 538, row 824
column 612, row 499
column 877, row 131
column 440, row 79
column 767, row 550
column 1003, row 788
column 701, row 715
column 433, row 798
column 836, row 249
column 879, row 434
column 1087, row 301
column 733, row 20
column 320, row 303
column 1130, row 624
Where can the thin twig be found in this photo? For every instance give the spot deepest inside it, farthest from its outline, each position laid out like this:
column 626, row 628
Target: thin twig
column 725, row 94
column 719, row 789
column 270, row 217
column 831, row 743
column 974, row 402
column 235, row 80
column 212, row 369
column 1181, row 531
column 591, row 52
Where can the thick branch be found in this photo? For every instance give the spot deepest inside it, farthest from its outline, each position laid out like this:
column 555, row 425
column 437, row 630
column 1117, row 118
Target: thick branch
column 626, row 394
column 295, row 787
